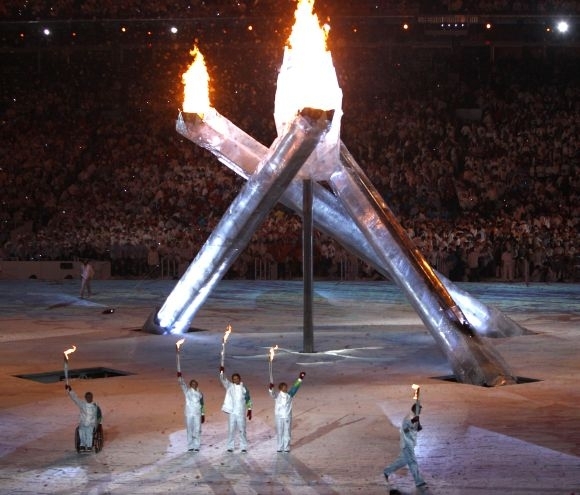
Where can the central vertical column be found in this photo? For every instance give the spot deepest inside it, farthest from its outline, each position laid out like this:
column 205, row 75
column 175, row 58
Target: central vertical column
column 307, row 265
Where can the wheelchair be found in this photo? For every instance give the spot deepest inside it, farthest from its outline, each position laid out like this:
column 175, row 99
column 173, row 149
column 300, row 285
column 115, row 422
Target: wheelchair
column 97, row 439
column 98, row 436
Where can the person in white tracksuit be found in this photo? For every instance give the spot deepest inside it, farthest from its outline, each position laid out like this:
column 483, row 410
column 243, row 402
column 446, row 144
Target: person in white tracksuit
column 283, row 411
column 238, row 406
column 87, row 274
column 90, row 417
column 194, row 412
column 408, row 440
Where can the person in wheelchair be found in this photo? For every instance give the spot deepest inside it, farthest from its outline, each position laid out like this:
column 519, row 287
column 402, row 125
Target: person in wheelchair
column 89, row 421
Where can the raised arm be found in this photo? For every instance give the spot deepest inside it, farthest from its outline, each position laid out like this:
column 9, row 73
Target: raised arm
column 181, row 382
column 296, row 385
column 271, row 391
column 225, row 382
column 74, row 397
column 248, row 400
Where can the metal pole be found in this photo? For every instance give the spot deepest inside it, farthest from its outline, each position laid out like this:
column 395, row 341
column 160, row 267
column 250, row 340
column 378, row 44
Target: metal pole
column 307, row 264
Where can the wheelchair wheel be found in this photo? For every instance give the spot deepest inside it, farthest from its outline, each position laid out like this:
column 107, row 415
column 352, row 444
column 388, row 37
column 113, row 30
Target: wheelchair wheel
column 77, row 440
column 98, row 438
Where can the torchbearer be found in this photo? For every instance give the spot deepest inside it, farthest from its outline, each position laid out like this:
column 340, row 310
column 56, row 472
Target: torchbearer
column 237, row 403
column 90, row 417
column 238, row 406
column 90, row 412
column 283, row 411
column 194, row 406
column 407, row 442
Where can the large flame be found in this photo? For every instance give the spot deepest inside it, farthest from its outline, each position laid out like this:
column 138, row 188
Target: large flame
column 307, row 77
column 69, row 351
column 196, row 82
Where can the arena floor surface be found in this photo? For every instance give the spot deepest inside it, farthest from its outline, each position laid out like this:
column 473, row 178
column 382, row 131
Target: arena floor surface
column 370, row 346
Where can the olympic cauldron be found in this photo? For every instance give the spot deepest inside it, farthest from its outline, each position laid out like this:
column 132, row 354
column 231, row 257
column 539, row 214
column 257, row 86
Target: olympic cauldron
column 308, row 110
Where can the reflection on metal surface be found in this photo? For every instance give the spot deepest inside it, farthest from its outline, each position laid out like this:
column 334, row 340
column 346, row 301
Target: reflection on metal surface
column 471, row 359
column 242, row 219
column 242, row 153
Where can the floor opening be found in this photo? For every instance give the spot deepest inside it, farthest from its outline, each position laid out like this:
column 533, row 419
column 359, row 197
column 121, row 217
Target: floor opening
column 79, row 374
column 519, row 379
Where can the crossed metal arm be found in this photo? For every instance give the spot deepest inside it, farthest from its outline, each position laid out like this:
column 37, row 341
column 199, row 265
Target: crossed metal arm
column 456, row 320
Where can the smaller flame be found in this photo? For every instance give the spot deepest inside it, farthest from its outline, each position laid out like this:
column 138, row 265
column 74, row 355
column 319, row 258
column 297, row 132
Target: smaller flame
column 196, row 82
column 272, row 351
column 69, row 351
column 227, row 334
column 179, row 343
column 416, row 388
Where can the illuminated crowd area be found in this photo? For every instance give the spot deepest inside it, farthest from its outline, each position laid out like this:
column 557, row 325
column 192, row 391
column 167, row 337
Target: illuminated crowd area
column 35, row 23
column 92, row 9
column 471, row 139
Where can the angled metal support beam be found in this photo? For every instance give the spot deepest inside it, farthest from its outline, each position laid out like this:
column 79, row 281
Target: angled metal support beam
column 242, row 153
column 246, row 213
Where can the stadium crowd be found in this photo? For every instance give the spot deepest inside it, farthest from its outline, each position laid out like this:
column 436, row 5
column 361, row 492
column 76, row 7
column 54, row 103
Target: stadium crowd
column 478, row 160
column 116, row 9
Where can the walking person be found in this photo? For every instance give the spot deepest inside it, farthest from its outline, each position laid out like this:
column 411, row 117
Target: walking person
column 90, row 417
column 87, row 274
column 238, row 406
column 507, row 264
column 283, row 411
column 194, row 412
column 408, row 440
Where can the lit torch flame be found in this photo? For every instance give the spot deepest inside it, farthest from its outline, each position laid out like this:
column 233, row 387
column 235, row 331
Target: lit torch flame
column 178, row 345
column 66, row 353
column 417, row 389
column 224, row 340
column 272, row 352
column 270, row 359
column 227, row 333
column 69, row 351
column 196, row 82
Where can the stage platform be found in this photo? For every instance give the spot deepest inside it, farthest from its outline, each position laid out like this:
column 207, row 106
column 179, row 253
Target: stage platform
column 370, row 347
